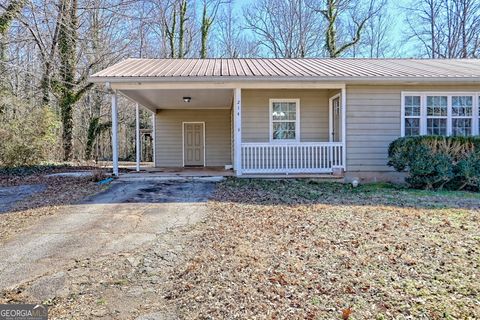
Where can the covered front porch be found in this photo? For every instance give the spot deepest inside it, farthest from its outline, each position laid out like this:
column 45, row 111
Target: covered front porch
column 250, row 127
column 258, row 129
column 290, row 130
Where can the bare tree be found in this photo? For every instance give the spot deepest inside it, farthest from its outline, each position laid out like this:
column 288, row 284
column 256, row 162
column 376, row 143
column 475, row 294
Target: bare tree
column 378, row 40
column 181, row 32
column 171, row 29
column 285, row 28
column 422, row 20
column 463, row 27
column 52, row 56
column 9, row 13
column 43, row 22
column 67, row 39
column 176, row 30
column 209, row 13
column 445, row 28
column 65, row 51
column 231, row 39
column 335, row 13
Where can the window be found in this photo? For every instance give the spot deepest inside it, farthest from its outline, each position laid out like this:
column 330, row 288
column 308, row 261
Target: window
column 462, row 111
column 440, row 113
column 412, row 115
column 284, row 120
column 437, row 112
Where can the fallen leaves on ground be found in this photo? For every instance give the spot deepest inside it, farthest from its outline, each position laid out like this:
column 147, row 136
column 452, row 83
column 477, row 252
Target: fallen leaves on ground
column 304, row 250
column 295, row 249
column 59, row 191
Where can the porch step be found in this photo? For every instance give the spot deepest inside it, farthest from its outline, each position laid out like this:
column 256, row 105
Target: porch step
column 152, row 177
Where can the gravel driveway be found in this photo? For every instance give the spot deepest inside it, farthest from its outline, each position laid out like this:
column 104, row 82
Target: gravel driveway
column 127, row 217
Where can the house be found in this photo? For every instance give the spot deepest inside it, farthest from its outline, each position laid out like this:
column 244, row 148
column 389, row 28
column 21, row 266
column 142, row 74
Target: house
column 274, row 117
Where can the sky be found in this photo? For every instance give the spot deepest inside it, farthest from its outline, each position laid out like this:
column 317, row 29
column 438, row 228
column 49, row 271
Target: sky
column 394, row 7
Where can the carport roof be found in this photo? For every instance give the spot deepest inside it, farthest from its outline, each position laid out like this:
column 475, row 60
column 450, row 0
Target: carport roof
column 309, row 69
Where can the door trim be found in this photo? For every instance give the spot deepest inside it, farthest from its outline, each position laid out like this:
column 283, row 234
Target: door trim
column 330, row 114
column 183, row 142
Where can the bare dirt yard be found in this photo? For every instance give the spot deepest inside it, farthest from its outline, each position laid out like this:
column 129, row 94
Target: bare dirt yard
column 279, row 249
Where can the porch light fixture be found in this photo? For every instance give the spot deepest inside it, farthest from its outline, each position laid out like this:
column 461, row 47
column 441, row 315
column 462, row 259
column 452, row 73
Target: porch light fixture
column 187, row 99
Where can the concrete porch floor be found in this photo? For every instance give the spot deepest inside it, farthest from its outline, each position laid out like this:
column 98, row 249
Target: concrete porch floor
column 186, row 172
column 148, row 171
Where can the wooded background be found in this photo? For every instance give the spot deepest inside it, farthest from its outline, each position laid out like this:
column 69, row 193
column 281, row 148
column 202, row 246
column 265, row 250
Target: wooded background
column 48, row 48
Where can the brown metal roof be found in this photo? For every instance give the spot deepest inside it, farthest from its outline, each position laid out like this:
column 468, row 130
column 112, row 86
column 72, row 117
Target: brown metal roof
column 290, row 69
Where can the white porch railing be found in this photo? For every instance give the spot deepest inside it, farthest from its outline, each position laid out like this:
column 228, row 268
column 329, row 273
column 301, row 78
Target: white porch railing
column 303, row 157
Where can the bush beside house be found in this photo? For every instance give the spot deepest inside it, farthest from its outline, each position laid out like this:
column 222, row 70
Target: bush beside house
column 435, row 162
column 29, row 138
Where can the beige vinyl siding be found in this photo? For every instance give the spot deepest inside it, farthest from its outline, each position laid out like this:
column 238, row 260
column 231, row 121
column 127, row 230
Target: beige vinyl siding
column 169, row 136
column 313, row 113
column 374, row 120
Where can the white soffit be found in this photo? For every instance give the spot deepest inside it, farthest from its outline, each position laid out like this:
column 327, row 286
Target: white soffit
column 173, row 98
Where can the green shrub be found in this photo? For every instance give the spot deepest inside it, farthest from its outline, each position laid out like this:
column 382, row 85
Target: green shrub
column 467, row 173
column 28, row 139
column 435, row 162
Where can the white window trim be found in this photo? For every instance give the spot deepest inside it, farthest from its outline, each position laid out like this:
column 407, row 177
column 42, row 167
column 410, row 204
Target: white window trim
column 297, row 122
column 423, row 109
column 402, row 128
column 447, row 117
column 471, row 117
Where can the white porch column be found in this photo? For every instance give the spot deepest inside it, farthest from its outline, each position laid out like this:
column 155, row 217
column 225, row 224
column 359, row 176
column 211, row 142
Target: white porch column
column 344, row 127
column 137, row 137
column 114, row 134
column 154, row 133
column 237, row 131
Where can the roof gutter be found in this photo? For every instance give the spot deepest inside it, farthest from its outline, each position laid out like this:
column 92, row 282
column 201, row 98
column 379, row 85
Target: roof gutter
column 220, row 79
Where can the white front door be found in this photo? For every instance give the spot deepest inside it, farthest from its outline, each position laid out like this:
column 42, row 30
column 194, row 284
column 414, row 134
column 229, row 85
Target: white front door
column 193, row 144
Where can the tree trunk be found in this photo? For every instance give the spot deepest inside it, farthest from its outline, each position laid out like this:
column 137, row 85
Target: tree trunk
column 331, row 33
column 67, row 40
column 181, row 31
column 432, row 27
column 45, row 84
column 463, row 25
column 91, row 137
column 331, row 14
column 170, row 32
column 11, row 12
column 206, row 23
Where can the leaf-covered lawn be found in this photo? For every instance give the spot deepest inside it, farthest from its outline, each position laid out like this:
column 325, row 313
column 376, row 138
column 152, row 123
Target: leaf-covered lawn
column 296, row 249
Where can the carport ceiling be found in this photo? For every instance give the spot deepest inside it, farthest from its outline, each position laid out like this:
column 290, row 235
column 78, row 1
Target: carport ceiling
column 173, row 98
